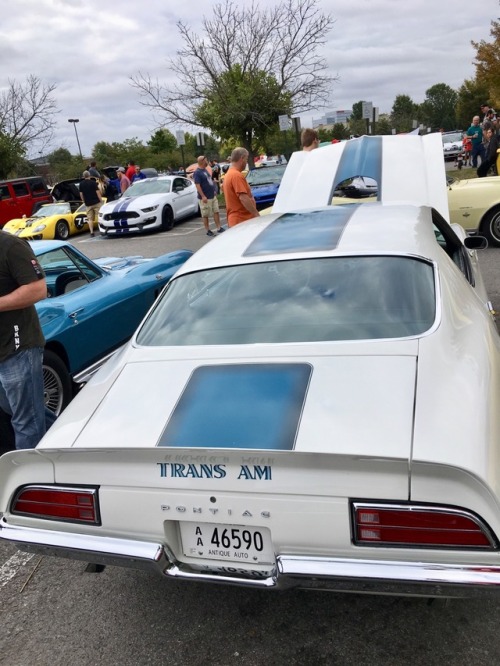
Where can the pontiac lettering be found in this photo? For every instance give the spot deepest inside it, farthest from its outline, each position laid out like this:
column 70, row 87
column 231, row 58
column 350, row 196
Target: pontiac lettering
column 213, row 471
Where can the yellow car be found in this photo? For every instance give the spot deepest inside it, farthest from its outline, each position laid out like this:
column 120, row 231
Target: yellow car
column 58, row 220
column 475, row 205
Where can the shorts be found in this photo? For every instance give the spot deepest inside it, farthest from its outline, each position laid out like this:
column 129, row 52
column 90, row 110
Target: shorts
column 209, row 208
column 92, row 212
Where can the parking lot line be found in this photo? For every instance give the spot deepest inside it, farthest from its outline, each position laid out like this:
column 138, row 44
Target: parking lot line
column 9, row 569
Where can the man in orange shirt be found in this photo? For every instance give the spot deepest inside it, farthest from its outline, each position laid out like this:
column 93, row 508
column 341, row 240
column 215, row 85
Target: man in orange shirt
column 240, row 204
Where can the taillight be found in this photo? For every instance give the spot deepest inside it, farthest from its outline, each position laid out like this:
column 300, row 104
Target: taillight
column 76, row 505
column 418, row 526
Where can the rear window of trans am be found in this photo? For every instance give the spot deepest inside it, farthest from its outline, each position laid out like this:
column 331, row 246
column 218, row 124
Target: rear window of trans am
column 302, row 300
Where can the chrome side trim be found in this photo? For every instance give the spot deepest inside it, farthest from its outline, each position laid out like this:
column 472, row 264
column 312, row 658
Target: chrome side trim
column 429, row 579
column 85, row 375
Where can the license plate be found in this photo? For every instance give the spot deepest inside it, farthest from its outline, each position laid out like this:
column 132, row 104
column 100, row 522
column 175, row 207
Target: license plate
column 232, row 543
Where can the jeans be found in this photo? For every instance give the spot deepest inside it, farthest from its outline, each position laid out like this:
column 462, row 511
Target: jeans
column 21, row 396
column 477, row 150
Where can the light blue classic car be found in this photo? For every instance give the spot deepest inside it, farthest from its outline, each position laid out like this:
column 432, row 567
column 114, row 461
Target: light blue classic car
column 92, row 308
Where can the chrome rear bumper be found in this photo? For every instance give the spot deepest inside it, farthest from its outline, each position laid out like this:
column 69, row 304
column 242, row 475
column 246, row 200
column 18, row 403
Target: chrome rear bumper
column 428, row 579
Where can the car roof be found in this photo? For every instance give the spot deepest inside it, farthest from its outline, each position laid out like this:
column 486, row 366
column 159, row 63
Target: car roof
column 350, row 229
column 42, row 246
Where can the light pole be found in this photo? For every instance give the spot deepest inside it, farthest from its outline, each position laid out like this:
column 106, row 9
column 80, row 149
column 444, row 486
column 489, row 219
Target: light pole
column 74, row 121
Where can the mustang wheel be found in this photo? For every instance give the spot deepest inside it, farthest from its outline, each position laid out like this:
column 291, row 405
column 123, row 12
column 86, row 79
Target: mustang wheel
column 62, row 230
column 491, row 227
column 167, row 219
column 57, row 387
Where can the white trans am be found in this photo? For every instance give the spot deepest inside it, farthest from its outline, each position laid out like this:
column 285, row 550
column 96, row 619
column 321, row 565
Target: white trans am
column 313, row 401
column 152, row 204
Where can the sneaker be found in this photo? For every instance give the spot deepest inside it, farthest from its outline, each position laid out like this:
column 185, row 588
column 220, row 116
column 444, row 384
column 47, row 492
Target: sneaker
column 219, row 231
column 210, row 233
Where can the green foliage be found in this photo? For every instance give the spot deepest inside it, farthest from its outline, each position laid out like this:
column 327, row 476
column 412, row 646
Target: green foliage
column 404, row 112
column 488, row 64
column 11, row 156
column 357, row 111
column 244, row 105
column 338, row 131
column 357, row 127
column 64, row 165
column 438, row 108
column 162, row 141
column 383, row 126
column 471, row 95
column 114, row 154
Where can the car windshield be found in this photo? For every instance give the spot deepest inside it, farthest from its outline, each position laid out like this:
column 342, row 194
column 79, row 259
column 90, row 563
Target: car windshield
column 265, row 175
column 452, row 137
column 304, row 300
column 149, row 186
column 53, row 209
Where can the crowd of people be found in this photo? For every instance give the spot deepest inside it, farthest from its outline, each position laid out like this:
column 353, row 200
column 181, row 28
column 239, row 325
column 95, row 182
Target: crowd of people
column 481, row 141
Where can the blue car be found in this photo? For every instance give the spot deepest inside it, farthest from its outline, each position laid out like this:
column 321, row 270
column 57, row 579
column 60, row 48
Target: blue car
column 91, row 309
column 264, row 183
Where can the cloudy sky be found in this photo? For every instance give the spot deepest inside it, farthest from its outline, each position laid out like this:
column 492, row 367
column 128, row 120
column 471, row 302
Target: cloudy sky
column 90, row 48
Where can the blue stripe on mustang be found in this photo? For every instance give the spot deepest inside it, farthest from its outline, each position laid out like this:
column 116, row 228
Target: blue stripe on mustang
column 362, row 157
column 249, row 406
column 305, row 231
column 121, row 223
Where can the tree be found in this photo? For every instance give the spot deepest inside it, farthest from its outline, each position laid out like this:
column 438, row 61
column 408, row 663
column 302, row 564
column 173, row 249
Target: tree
column 357, row 111
column 383, row 125
column 162, row 141
column 250, row 66
column 438, row 108
column 28, row 112
column 404, row 112
column 11, row 153
column 114, row 154
column 487, row 64
column 471, row 95
column 64, row 165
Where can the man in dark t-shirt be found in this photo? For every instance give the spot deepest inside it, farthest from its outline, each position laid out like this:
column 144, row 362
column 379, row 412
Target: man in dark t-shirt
column 90, row 194
column 22, row 284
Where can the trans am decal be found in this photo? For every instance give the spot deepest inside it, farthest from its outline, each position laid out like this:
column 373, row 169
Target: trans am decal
column 250, row 406
column 311, row 231
column 207, row 471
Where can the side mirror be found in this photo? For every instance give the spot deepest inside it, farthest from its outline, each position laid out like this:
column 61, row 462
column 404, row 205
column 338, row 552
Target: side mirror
column 476, row 243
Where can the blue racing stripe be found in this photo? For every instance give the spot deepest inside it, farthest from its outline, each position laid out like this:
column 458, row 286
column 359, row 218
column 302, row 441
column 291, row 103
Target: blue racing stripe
column 305, row 231
column 119, row 208
column 262, row 405
column 361, row 157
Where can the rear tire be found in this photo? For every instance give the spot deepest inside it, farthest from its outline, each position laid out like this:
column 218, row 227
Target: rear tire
column 62, row 230
column 491, row 227
column 57, row 385
column 167, row 219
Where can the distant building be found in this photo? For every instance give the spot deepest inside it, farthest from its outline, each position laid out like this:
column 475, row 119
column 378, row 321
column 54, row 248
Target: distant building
column 332, row 118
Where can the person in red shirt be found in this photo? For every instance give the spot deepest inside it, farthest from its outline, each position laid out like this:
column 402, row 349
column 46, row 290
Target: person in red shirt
column 240, row 204
column 130, row 172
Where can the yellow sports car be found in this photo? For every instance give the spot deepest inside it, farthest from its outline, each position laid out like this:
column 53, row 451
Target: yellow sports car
column 55, row 220
column 475, row 205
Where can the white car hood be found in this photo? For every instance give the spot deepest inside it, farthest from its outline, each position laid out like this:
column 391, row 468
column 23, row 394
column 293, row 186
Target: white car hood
column 344, row 403
column 134, row 203
column 311, row 178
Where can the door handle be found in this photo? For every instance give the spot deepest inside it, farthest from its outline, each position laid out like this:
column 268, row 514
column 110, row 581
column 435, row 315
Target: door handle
column 74, row 315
